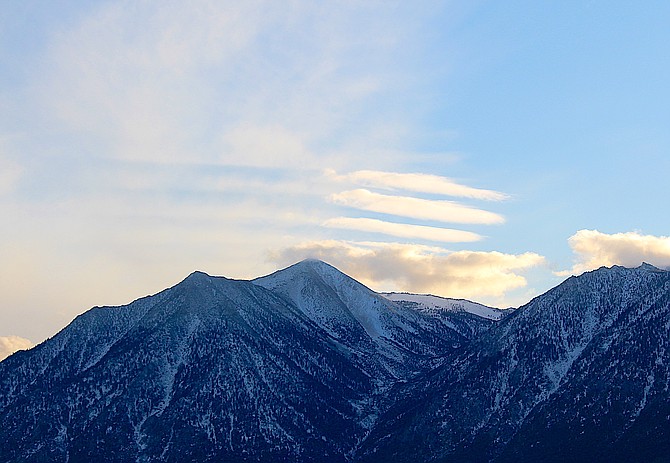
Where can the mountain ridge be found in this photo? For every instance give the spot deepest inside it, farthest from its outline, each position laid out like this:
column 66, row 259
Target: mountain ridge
column 511, row 371
column 307, row 364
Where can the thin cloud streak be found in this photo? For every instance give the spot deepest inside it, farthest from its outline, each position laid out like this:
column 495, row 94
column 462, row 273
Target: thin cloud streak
column 441, row 211
column 594, row 249
column 148, row 140
column 10, row 172
column 421, row 183
column 402, row 230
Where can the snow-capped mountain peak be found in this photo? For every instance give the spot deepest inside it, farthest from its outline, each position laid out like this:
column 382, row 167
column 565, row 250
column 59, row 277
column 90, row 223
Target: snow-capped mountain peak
column 365, row 321
column 649, row 268
column 308, row 364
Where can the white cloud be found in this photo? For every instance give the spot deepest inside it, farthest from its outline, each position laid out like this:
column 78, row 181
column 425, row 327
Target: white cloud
column 594, row 249
column 423, row 183
column 10, row 344
column 161, row 137
column 402, row 230
column 424, row 269
column 442, row 211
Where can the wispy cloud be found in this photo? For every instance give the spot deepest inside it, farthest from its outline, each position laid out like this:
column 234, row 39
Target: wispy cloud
column 416, row 268
column 442, row 211
column 157, row 138
column 10, row 344
column 199, row 82
column 594, row 249
column 265, row 146
column 10, row 172
column 403, row 230
column 418, row 182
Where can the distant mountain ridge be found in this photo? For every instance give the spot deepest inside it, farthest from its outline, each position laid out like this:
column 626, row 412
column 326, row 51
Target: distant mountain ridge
column 436, row 304
column 307, row 364
column 567, row 377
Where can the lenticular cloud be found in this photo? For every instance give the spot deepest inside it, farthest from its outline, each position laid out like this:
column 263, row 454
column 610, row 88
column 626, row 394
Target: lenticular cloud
column 403, row 206
column 425, row 183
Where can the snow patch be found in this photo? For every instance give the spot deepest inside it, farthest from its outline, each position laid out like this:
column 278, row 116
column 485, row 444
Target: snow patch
column 430, row 303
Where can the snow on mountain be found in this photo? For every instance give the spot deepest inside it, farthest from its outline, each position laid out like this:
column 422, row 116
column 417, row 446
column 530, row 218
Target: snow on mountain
column 210, row 369
column 436, row 304
column 387, row 337
column 309, row 365
column 563, row 378
column 290, row 367
column 331, row 298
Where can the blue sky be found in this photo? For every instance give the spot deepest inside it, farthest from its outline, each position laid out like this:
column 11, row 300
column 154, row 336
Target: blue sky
column 482, row 150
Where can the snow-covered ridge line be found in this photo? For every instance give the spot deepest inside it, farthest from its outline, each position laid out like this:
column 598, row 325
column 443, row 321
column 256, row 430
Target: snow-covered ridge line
column 430, row 303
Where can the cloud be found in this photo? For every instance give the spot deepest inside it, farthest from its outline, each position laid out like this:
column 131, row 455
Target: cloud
column 423, row 183
column 10, row 344
column 159, row 138
column 402, row 230
column 594, row 249
column 131, row 75
column 416, row 268
column 222, row 81
column 269, row 146
column 442, row 211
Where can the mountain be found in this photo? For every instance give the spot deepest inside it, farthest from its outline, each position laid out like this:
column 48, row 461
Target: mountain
column 307, row 364
column 389, row 339
column 436, row 305
column 209, row 370
column 580, row 373
column 289, row 367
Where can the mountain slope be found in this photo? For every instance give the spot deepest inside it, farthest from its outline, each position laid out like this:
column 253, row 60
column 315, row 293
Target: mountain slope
column 613, row 403
column 309, row 365
column 211, row 369
column 436, row 305
column 288, row 367
column 546, row 374
column 389, row 339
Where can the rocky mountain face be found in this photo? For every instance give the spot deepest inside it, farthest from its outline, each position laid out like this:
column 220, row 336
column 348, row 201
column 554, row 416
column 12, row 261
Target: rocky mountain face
column 389, row 339
column 290, row 367
column 307, row 364
column 580, row 373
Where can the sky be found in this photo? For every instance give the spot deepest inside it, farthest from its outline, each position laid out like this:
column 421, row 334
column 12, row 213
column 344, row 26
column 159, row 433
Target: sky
column 472, row 149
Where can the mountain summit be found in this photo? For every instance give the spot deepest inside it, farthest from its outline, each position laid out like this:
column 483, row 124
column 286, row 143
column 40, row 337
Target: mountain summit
column 387, row 339
column 286, row 367
column 307, row 364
